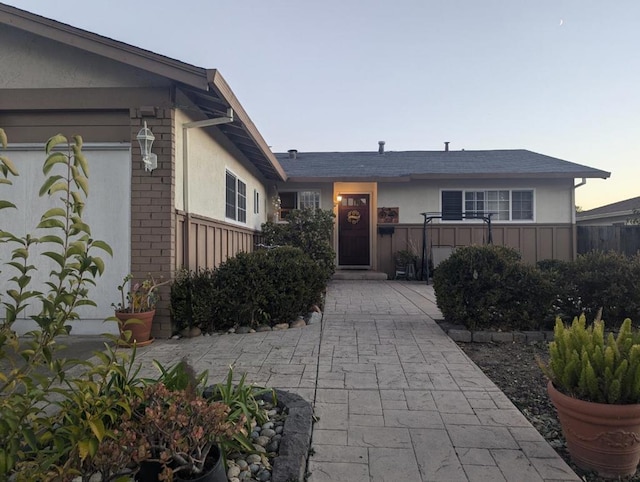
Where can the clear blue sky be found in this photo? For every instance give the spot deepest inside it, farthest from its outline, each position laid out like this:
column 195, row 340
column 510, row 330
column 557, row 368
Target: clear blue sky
column 559, row 77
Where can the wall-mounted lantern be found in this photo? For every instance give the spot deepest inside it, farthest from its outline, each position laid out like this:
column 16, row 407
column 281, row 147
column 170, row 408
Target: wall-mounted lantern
column 145, row 139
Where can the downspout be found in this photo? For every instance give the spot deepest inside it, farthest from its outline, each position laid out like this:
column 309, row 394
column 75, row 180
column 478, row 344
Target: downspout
column 573, row 208
column 573, row 216
column 185, row 174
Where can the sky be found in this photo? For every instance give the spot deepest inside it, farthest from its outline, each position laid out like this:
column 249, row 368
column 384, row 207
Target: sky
column 558, row 77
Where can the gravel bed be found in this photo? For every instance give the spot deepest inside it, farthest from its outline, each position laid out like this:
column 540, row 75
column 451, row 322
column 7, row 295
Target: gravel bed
column 257, row 467
column 513, row 368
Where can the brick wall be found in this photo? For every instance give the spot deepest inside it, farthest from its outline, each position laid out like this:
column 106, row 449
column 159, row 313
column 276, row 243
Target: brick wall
column 153, row 223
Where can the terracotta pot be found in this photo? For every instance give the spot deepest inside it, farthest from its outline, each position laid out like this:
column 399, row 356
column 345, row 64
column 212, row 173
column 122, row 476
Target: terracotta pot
column 140, row 332
column 601, row 437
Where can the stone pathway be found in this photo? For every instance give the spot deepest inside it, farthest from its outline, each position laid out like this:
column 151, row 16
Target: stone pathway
column 396, row 399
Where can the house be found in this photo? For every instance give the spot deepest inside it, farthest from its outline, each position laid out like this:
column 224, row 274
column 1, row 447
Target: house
column 617, row 214
column 216, row 180
column 389, row 201
column 203, row 202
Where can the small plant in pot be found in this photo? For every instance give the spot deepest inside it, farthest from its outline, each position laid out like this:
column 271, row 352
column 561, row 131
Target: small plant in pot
column 182, row 431
column 594, row 383
column 136, row 308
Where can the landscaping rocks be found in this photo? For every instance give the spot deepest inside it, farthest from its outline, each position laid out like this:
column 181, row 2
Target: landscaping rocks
column 282, row 442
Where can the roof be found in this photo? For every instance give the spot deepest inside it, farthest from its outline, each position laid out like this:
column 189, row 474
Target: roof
column 206, row 87
column 408, row 165
column 620, row 208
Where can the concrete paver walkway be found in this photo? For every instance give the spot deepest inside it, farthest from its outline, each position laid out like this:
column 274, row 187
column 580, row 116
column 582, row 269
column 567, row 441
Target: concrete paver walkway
column 396, row 399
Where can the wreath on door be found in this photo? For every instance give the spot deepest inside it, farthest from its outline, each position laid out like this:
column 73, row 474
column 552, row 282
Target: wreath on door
column 353, row 216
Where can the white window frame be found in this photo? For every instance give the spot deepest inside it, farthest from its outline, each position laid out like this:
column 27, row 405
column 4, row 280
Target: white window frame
column 240, row 200
column 316, row 192
column 486, row 200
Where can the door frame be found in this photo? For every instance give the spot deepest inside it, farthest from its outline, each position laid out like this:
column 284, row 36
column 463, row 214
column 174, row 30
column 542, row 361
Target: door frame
column 352, row 191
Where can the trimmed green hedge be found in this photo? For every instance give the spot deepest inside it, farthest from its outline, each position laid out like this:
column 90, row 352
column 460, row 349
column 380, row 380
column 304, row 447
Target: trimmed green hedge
column 263, row 287
column 488, row 287
column 597, row 279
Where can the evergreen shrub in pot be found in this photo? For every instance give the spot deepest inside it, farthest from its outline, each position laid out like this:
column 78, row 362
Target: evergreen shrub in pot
column 594, row 383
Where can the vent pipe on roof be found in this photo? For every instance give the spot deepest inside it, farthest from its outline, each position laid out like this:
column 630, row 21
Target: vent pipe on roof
column 293, row 153
column 446, row 146
column 381, row 147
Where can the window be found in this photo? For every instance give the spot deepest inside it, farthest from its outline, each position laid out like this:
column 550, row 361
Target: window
column 522, row 205
column 298, row 200
column 236, row 199
column 503, row 204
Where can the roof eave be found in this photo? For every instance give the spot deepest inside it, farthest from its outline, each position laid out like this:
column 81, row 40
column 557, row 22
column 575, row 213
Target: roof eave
column 220, row 86
column 104, row 46
column 428, row 176
column 586, row 217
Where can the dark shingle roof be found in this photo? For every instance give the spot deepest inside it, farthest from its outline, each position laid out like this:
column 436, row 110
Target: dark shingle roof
column 391, row 165
column 626, row 206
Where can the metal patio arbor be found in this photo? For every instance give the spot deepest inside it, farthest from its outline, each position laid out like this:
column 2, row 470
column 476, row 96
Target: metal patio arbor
column 428, row 217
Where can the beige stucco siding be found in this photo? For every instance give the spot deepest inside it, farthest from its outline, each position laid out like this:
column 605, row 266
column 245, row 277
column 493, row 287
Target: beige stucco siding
column 39, row 63
column 553, row 198
column 209, row 157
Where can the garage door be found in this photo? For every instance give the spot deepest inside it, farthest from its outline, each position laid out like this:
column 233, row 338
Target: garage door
column 107, row 212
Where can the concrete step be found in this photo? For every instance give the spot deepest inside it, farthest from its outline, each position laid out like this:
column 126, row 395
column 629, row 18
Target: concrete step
column 359, row 274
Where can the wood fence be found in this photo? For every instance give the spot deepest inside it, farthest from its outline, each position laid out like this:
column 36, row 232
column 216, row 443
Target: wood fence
column 622, row 239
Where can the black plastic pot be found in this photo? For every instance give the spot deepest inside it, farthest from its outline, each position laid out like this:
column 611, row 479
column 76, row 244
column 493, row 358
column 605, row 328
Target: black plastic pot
column 216, row 474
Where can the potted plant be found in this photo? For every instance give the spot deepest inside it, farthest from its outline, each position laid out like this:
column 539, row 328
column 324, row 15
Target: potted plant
column 405, row 263
column 136, row 309
column 181, row 430
column 594, row 383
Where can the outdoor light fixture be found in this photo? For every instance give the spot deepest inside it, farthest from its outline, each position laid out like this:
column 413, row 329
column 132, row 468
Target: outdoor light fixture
column 339, row 198
column 145, row 139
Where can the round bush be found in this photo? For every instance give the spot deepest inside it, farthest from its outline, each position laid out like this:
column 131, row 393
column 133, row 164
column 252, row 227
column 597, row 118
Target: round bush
column 488, row 287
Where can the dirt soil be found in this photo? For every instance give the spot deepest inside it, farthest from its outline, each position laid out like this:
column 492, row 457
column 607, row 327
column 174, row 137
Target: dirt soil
column 513, row 368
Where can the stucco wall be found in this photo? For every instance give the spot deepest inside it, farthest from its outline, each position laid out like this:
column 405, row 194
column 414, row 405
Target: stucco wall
column 553, row 198
column 39, row 63
column 210, row 155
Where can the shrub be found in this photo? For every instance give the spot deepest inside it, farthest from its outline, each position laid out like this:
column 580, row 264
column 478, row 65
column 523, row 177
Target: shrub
column 606, row 280
column 192, row 298
column 595, row 280
column 48, row 427
column 585, row 364
column 488, row 287
column 307, row 229
column 268, row 286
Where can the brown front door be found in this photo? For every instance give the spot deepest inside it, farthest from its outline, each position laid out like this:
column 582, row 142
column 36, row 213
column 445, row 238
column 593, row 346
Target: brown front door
column 353, row 230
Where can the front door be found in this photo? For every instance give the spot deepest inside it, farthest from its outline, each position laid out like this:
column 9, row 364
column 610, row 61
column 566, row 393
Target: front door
column 353, row 230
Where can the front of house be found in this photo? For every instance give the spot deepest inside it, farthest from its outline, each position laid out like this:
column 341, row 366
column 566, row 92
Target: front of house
column 217, row 181
column 388, row 201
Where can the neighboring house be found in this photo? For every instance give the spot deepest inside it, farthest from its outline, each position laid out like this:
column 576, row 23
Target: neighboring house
column 618, row 214
column 202, row 204
column 379, row 198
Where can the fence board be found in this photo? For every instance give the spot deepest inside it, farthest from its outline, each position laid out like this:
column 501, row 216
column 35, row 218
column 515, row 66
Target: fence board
column 622, row 239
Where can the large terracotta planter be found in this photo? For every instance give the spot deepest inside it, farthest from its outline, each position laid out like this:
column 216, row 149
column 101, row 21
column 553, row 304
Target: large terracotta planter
column 140, row 332
column 600, row 437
